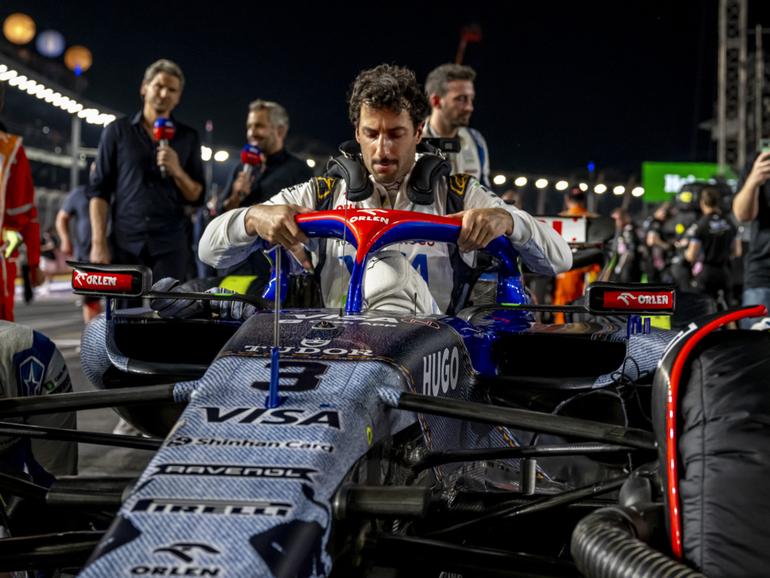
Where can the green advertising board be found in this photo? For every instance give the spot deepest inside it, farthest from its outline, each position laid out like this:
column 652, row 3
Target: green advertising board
column 661, row 181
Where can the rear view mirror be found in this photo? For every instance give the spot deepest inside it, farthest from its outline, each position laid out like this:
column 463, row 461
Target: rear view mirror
column 630, row 298
column 110, row 280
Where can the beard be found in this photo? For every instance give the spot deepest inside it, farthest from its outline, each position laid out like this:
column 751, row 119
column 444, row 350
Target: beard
column 461, row 121
column 266, row 143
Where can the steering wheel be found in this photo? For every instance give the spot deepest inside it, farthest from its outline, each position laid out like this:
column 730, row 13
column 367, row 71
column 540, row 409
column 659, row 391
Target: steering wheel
column 368, row 230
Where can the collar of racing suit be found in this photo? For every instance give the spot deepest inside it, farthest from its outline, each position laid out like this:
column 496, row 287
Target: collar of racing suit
column 393, row 190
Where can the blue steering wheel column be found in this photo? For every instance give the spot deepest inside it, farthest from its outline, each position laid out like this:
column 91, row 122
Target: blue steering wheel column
column 281, row 277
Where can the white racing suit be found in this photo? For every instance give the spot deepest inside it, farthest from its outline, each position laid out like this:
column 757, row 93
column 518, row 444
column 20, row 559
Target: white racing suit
column 30, row 364
column 225, row 241
column 391, row 284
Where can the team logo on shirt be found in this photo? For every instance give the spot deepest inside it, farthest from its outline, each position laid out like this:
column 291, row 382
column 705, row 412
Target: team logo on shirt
column 325, row 186
column 458, row 183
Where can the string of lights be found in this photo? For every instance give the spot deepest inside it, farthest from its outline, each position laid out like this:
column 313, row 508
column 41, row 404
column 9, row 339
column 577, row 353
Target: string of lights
column 561, row 184
column 20, row 29
column 55, row 96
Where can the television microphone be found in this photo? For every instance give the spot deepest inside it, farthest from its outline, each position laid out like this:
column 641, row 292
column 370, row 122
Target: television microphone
column 163, row 131
column 251, row 157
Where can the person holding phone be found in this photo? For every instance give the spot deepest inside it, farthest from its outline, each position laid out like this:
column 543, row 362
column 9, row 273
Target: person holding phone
column 751, row 206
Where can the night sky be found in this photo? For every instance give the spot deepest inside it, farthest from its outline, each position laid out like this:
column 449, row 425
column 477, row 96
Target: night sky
column 559, row 83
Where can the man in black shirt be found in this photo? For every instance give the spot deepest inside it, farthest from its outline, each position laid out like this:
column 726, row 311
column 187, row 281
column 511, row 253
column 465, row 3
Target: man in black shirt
column 711, row 244
column 266, row 127
column 752, row 205
column 149, row 225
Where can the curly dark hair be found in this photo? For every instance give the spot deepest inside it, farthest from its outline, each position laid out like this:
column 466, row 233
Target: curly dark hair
column 388, row 87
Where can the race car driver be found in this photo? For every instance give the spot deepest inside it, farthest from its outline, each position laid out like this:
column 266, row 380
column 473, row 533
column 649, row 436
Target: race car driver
column 387, row 109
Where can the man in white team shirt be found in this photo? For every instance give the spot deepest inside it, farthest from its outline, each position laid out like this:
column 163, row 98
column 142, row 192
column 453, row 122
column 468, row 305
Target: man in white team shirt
column 387, row 109
column 451, row 93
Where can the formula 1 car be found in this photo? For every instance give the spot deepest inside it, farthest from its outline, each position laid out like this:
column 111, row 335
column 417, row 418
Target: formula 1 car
column 317, row 442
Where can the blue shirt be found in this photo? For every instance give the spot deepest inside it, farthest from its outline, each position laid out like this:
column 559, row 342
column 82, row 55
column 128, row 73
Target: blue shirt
column 147, row 210
column 76, row 204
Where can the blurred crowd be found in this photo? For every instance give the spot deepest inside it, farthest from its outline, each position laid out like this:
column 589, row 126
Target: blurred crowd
column 693, row 242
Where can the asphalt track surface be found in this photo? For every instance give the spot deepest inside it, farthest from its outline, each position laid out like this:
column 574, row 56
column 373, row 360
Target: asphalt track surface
column 58, row 316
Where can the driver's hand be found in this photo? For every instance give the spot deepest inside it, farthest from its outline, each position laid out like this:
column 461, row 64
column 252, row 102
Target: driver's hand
column 275, row 224
column 480, row 226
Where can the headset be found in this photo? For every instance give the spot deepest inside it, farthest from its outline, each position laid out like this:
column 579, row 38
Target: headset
column 429, row 169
